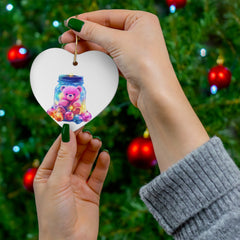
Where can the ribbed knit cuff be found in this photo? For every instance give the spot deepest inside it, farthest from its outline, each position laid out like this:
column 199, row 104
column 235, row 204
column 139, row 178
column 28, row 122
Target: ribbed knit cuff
column 194, row 192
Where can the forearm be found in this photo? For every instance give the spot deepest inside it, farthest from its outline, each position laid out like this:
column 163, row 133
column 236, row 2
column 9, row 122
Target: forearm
column 174, row 127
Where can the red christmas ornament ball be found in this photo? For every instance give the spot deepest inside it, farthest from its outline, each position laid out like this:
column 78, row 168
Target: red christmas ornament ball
column 140, row 153
column 177, row 3
column 18, row 56
column 28, row 178
column 219, row 76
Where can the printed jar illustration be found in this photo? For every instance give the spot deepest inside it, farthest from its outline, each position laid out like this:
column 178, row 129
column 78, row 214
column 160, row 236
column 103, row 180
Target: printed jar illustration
column 70, row 100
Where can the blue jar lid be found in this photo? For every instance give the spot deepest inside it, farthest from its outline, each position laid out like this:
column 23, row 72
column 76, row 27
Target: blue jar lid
column 70, row 78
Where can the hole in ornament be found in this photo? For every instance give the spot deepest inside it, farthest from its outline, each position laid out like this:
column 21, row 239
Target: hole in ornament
column 75, row 63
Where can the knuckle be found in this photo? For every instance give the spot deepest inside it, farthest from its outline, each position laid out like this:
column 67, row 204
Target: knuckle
column 60, row 155
column 36, row 178
column 111, row 43
column 88, row 30
column 155, row 18
column 97, row 179
column 152, row 17
column 63, row 154
column 107, row 21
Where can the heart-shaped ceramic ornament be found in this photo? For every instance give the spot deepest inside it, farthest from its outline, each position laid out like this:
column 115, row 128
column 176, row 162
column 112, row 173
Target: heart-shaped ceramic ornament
column 73, row 94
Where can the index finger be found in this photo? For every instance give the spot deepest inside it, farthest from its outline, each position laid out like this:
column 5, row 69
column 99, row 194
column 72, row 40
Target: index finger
column 114, row 18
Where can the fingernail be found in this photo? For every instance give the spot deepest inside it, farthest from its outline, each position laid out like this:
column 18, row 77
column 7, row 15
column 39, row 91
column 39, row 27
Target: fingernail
column 60, row 39
column 87, row 131
column 97, row 137
column 105, row 150
column 65, row 23
column 65, row 133
column 75, row 24
column 63, row 45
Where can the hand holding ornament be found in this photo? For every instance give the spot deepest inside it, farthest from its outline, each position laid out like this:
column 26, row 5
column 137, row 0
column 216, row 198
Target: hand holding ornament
column 67, row 197
column 135, row 41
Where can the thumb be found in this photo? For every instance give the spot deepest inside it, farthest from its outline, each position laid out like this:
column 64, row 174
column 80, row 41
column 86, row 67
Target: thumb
column 66, row 154
column 106, row 37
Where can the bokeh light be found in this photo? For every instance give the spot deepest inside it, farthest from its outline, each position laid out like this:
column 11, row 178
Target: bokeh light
column 16, row 148
column 9, row 7
column 213, row 89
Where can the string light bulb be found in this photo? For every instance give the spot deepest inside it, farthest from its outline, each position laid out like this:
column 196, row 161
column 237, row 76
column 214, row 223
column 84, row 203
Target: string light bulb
column 172, row 9
column 9, row 7
column 213, row 89
column 56, row 23
column 16, row 149
column 2, row 113
column 203, row 52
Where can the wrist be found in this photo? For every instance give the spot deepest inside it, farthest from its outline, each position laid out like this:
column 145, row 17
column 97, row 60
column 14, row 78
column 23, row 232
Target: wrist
column 158, row 80
column 174, row 127
column 47, row 234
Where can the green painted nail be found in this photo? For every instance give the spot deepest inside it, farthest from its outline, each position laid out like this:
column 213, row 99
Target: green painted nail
column 75, row 24
column 97, row 137
column 87, row 131
column 105, row 150
column 65, row 133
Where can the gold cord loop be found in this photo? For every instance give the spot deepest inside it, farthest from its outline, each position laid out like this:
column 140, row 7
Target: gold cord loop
column 75, row 63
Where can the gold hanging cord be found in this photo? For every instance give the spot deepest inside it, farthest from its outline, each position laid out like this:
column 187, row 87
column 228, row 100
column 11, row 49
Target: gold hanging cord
column 75, row 63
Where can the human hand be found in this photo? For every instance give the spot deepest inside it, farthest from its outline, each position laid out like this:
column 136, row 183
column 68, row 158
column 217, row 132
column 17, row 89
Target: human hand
column 67, row 199
column 134, row 39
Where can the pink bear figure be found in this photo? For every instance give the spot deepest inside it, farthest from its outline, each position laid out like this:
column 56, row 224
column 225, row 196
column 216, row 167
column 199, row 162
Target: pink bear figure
column 71, row 96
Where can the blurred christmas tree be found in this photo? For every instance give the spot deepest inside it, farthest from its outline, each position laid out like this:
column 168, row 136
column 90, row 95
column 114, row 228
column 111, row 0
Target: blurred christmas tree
column 196, row 35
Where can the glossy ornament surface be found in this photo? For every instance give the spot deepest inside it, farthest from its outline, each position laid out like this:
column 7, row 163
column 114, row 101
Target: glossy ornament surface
column 141, row 154
column 18, row 56
column 28, row 178
column 219, row 76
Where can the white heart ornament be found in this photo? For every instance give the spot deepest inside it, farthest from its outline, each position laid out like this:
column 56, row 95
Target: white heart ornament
column 73, row 94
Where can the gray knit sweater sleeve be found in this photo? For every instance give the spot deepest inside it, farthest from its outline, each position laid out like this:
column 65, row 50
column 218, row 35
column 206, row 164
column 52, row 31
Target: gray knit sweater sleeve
column 199, row 197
